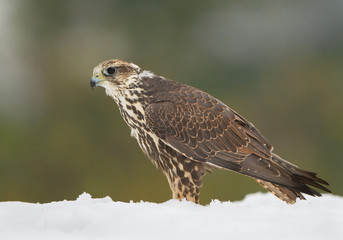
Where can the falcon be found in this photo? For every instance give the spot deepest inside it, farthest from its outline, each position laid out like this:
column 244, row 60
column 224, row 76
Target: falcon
column 186, row 132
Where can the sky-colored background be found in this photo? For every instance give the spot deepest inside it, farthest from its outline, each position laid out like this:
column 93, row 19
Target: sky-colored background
column 279, row 64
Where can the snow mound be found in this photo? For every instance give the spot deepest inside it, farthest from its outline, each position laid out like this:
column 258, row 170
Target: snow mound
column 258, row 216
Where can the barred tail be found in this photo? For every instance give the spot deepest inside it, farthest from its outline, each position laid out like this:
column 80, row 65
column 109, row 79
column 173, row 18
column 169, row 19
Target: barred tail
column 283, row 193
column 304, row 178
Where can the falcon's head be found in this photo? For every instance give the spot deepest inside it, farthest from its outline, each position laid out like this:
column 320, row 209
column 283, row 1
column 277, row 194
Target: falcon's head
column 113, row 74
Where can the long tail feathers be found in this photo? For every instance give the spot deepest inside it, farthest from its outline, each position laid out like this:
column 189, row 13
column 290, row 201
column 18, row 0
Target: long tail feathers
column 305, row 178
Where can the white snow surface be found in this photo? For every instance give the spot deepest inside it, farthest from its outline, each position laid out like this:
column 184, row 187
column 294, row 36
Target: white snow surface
column 258, row 216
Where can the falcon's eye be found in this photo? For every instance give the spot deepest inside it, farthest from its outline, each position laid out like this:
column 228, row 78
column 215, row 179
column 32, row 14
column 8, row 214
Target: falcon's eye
column 110, row 71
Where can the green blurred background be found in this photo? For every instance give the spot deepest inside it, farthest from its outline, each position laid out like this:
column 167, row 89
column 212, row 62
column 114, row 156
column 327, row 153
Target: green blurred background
column 279, row 64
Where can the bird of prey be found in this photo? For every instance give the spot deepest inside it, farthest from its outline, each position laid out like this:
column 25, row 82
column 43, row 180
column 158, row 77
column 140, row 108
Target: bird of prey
column 187, row 132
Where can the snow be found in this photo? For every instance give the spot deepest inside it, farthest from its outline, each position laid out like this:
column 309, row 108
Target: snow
column 258, row 216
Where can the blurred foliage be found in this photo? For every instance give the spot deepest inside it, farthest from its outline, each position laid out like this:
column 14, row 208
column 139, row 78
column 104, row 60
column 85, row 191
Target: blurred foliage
column 59, row 139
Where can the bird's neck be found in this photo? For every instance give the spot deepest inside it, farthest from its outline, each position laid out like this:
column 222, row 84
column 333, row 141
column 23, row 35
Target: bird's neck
column 131, row 102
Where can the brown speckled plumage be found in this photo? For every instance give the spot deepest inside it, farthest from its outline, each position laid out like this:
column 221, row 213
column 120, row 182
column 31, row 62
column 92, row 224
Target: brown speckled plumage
column 186, row 132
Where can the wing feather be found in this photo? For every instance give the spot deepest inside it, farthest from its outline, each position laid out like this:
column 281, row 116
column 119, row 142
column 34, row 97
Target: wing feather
column 203, row 129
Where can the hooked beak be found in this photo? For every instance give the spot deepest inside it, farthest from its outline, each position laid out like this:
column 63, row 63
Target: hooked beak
column 95, row 81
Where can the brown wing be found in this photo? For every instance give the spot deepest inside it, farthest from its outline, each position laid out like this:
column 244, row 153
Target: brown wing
column 204, row 129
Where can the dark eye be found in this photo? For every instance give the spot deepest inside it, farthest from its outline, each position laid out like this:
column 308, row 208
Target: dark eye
column 110, row 71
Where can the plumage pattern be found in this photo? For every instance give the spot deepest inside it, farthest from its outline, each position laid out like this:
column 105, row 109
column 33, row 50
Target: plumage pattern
column 186, row 132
